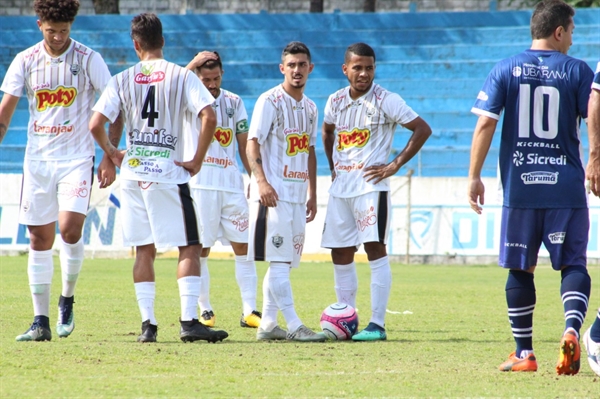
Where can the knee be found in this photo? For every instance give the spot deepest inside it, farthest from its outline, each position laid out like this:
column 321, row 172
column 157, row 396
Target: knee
column 375, row 250
column 342, row 256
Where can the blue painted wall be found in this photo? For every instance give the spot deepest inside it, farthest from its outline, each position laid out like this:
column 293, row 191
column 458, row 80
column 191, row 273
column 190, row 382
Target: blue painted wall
column 436, row 61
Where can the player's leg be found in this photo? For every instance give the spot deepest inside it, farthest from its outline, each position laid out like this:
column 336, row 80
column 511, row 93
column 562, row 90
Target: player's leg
column 341, row 236
column 74, row 191
column 520, row 242
column 207, row 316
column 38, row 211
column 566, row 238
column 591, row 339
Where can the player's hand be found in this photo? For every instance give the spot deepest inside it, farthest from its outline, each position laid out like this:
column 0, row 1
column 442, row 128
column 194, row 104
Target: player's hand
column 192, row 167
column 117, row 157
column 377, row 173
column 311, row 209
column 267, row 194
column 333, row 174
column 107, row 172
column 592, row 175
column 476, row 194
column 202, row 57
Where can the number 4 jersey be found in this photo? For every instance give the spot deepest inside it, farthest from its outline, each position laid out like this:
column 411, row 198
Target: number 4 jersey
column 544, row 95
column 154, row 97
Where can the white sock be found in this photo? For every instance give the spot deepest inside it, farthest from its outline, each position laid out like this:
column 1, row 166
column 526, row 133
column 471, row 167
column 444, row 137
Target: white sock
column 40, row 269
column 245, row 274
column 381, row 284
column 204, row 297
column 346, row 283
column 281, row 288
column 71, row 260
column 189, row 291
column 269, row 310
column 145, row 293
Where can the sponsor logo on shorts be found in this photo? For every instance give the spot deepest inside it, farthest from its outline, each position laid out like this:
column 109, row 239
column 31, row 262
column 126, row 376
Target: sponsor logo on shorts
column 515, row 245
column 148, row 76
column 64, row 127
column 298, row 241
column 557, row 238
column 356, row 138
column 539, row 178
column 145, row 185
column 69, row 190
column 295, row 176
column 25, row 206
column 240, row 221
column 277, row 240
column 60, row 97
column 296, row 144
column 365, row 218
column 223, row 136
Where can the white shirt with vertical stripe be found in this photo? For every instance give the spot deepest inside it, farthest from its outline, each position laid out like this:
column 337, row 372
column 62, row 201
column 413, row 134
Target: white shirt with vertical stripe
column 285, row 129
column 364, row 130
column 220, row 169
column 154, row 97
column 61, row 92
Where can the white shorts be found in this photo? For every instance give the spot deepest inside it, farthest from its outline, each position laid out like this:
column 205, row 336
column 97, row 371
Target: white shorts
column 159, row 213
column 223, row 216
column 50, row 187
column 353, row 221
column 277, row 234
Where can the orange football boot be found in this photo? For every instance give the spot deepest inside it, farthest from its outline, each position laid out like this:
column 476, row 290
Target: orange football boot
column 515, row 363
column 568, row 358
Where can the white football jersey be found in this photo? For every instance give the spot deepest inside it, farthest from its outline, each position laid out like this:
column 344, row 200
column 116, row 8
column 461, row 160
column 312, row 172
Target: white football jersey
column 61, row 92
column 285, row 129
column 364, row 130
column 220, row 168
column 154, row 97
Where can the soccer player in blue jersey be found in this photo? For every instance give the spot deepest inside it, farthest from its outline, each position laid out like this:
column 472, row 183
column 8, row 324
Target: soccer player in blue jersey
column 591, row 338
column 544, row 94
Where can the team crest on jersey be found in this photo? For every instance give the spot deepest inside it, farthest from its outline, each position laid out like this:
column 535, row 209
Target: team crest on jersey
column 370, row 111
column 277, row 241
column 311, row 118
column 230, row 112
column 75, row 69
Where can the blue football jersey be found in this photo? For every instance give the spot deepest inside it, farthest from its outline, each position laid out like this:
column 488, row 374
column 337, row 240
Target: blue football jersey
column 544, row 95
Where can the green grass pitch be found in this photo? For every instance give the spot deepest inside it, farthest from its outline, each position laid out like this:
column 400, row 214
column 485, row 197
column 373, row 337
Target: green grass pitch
column 447, row 340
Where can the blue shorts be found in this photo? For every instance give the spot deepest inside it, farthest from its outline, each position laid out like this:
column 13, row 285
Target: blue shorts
column 564, row 232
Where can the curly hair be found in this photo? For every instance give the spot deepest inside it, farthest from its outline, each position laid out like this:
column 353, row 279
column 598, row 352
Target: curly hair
column 56, row 10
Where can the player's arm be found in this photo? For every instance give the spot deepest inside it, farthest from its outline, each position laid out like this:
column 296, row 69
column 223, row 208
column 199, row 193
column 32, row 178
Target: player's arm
column 107, row 172
column 8, row 105
column 311, row 204
column 96, row 126
column 592, row 171
column 421, row 132
column 267, row 194
column 328, row 137
column 208, row 122
column 482, row 140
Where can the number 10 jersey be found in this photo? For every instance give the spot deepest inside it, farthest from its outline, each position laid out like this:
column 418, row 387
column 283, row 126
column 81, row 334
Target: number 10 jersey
column 544, row 95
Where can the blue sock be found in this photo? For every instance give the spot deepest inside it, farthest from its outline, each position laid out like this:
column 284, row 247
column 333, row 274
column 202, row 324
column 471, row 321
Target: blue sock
column 595, row 330
column 520, row 298
column 575, row 289
column 374, row 327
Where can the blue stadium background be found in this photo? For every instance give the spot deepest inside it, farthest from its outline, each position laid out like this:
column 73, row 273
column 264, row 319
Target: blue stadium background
column 436, row 61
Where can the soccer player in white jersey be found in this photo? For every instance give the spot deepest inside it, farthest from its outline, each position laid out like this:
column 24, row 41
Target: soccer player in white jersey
column 281, row 152
column 157, row 208
column 61, row 78
column 591, row 338
column 358, row 128
column 544, row 94
column 219, row 189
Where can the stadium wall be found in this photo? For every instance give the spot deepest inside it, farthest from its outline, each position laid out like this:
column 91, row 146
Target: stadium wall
column 23, row 7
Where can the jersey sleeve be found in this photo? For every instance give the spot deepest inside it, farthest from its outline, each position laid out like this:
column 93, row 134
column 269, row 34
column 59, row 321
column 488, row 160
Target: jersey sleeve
column 197, row 95
column 14, row 80
column 397, row 110
column 241, row 118
column 491, row 99
column 109, row 103
column 263, row 116
column 99, row 73
column 328, row 116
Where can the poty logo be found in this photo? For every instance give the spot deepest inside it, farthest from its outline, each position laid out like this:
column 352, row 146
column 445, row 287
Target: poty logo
column 518, row 158
column 59, row 97
column 557, row 238
column 223, row 136
column 154, row 77
column 540, row 178
column 356, row 138
column 297, row 143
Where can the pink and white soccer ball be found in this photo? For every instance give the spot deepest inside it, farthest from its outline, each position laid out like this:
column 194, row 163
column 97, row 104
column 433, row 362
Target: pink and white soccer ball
column 339, row 321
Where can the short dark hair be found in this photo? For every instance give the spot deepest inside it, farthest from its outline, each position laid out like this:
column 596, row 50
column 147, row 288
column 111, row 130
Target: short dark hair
column 56, row 10
column 146, row 29
column 360, row 49
column 549, row 15
column 295, row 48
column 212, row 64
